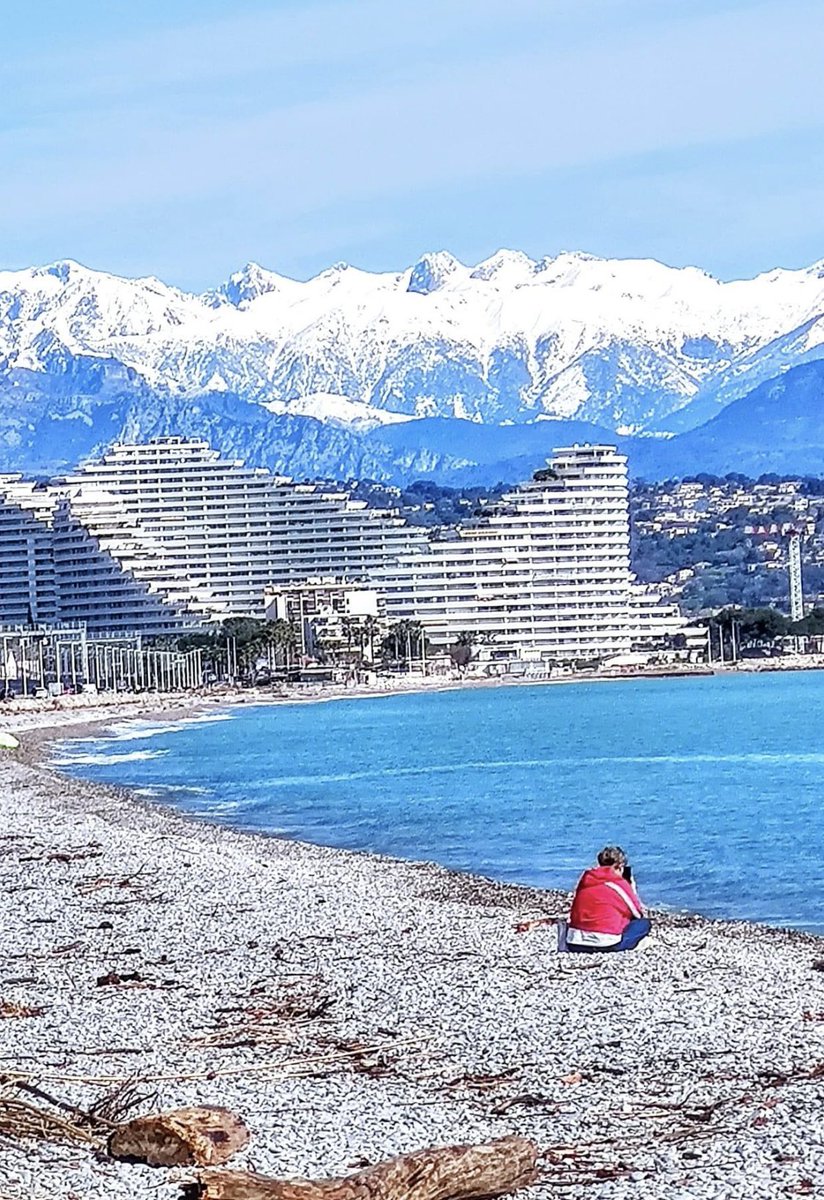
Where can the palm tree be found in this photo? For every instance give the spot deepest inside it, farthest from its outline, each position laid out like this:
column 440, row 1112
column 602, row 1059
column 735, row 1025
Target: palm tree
column 349, row 627
column 247, row 638
column 461, row 649
column 282, row 637
column 370, row 629
column 404, row 641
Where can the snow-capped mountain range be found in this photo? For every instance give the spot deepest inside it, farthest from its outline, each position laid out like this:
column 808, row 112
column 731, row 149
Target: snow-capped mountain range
column 632, row 346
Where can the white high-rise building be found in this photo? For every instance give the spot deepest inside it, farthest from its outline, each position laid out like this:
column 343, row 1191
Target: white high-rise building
column 27, row 583
column 158, row 537
column 225, row 532
column 545, row 571
column 113, row 575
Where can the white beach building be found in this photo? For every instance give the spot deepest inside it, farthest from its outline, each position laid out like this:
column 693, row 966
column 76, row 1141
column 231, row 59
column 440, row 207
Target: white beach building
column 544, row 572
column 220, row 533
column 158, row 537
column 27, row 584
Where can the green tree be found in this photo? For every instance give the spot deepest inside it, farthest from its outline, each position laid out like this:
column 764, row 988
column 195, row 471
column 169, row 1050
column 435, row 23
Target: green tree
column 749, row 627
column 246, row 639
column 405, row 642
column 811, row 625
column 349, row 626
column 462, row 649
column 282, row 639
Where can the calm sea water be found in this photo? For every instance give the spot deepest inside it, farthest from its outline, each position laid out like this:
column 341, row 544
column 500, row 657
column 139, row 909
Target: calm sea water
column 715, row 786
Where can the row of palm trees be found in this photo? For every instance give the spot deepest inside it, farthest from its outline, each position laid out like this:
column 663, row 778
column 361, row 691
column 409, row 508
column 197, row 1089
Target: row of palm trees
column 358, row 634
column 242, row 647
column 406, row 643
column 237, row 647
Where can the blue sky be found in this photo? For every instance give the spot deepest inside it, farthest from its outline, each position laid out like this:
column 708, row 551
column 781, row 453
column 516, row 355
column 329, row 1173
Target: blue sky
column 184, row 139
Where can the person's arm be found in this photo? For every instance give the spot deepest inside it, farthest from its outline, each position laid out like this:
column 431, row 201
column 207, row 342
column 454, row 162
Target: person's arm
column 630, row 879
column 628, row 894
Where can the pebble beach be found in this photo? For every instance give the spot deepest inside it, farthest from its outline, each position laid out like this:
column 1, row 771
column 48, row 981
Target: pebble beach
column 350, row 1007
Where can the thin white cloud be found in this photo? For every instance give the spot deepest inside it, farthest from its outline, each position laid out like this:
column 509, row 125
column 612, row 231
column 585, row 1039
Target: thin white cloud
column 697, row 82
column 245, row 45
column 428, row 121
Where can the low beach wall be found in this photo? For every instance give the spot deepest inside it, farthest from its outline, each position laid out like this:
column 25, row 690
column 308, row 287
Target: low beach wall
column 350, row 1008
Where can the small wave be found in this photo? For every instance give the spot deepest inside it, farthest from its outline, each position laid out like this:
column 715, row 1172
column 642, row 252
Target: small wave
column 136, row 731
column 218, row 806
column 789, row 759
column 208, row 718
column 101, row 759
column 170, row 791
column 182, row 789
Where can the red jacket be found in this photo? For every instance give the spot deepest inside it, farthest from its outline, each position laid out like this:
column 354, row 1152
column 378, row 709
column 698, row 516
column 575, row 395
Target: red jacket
column 604, row 902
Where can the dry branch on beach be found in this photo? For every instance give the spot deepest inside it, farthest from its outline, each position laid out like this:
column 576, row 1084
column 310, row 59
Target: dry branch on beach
column 27, row 1111
column 209, row 1135
column 448, row 1173
column 275, row 1020
column 10, row 1010
column 194, row 1136
column 353, row 1056
column 20, row 1119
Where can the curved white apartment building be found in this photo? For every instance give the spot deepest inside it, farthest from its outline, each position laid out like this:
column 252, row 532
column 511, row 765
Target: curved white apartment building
column 157, row 537
column 53, row 569
column 208, row 535
column 27, row 586
column 545, row 571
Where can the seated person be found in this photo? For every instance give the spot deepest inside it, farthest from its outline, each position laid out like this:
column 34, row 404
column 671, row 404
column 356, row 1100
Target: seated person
column 606, row 914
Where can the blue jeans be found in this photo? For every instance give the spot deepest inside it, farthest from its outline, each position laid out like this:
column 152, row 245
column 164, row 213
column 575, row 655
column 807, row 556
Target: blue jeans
column 632, row 935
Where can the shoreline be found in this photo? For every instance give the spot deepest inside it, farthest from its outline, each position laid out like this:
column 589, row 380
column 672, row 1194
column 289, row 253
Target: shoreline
column 467, row 1029
column 26, row 713
column 47, row 728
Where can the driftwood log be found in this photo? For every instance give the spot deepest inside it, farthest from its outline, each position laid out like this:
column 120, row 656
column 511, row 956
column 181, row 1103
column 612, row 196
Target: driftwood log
column 186, row 1137
column 447, row 1173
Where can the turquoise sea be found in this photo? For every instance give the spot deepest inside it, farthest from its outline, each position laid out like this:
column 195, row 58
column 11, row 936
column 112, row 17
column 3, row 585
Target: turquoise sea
column 714, row 785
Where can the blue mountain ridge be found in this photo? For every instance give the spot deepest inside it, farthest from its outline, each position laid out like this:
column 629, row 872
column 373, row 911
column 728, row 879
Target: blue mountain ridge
column 50, row 421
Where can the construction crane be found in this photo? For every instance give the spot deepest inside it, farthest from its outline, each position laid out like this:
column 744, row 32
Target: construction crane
column 794, row 534
column 796, row 581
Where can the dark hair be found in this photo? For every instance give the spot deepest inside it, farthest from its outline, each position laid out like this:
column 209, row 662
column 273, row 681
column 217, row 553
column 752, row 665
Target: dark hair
column 612, row 856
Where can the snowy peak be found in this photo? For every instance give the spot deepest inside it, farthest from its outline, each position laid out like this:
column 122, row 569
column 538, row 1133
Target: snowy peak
column 245, row 285
column 628, row 344
column 62, row 270
column 506, row 267
column 87, row 312
column 431, row 272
